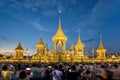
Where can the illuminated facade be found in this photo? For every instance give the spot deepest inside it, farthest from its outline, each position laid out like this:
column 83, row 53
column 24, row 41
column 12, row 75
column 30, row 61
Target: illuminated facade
column 59, row 39
column 74, row 54
column 19, row 51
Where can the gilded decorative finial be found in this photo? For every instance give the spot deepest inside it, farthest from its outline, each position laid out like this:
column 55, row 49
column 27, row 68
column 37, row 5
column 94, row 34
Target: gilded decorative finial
column 40, row 41
column 40, row 34
column 60, row 11
column 79, row 33
column 26, row 49
column 101, row 44
column 101, row 38
column 19, row 42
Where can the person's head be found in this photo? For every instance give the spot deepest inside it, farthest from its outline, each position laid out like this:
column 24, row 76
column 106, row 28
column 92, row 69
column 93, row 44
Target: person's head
column 22, row 75
column 33, row 65
column 55, row 67
column 81, row 67
column 47, row 71
column 102, row 66
column 115, row 65
column 5, row 68
column 73, row 67
column 60, row 66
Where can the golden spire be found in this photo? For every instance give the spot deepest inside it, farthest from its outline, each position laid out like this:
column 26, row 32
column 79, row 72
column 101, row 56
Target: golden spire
column 79, row 42
column 101, row 44
column 59, row 23
column 59, row 33
column 40, row 41
column 19, row 47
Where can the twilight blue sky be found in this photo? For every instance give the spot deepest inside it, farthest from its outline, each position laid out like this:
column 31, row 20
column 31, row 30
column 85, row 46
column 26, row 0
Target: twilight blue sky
column 23, row 20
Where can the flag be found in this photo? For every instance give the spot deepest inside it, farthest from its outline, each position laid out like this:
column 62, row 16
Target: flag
column 26, row 49
column 92, row 50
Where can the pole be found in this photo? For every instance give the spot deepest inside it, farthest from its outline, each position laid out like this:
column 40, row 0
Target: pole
column 93, row 53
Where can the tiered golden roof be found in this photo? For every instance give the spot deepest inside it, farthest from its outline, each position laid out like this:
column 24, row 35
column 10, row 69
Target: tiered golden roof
column 40, row 41
column 59, row 34
column 19, row 47
column 79, row 42
column 101, row 47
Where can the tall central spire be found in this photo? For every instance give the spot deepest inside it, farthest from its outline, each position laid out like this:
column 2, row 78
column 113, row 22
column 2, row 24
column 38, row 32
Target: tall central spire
column 59, row 33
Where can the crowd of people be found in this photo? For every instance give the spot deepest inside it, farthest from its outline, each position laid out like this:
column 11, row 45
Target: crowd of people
column 59, row 71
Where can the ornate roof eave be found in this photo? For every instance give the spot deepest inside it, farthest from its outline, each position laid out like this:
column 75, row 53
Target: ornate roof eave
column 77, row 45
column 101, row 50
column 79, row 42
column 40, row 41
column 19, row 47
column 57, row 37
column 59, row 34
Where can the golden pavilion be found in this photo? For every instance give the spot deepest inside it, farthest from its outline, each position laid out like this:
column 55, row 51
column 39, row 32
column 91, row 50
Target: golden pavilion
column 74, row 54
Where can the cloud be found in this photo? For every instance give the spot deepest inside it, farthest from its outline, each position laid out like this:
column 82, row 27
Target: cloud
column 49, row 12
column 89, row 40
column 39, row 27
column 100, row 8
column 6, row 43
column 92, row 24
column 35, row 24
column 3, row 37
column 2, row 3
column 30, row 21
column 47, row 7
